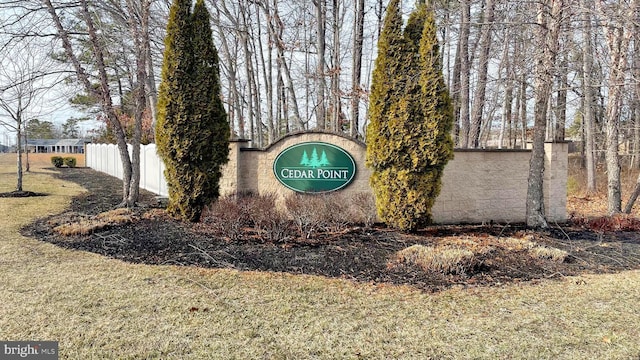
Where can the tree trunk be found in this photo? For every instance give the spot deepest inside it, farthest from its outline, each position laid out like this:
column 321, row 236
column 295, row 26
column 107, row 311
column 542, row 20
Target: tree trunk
column 336, row 104
column 456, row 97
column 635, row 103
column 618, row 35
column 505, row 126
column 268, row 80
column 546, row 40
column 235, row 114
column 483, row 68
column 588, row 118
column 356, row 73
column 321, row 19
column 561, row 99
column 292, row 100
column 463, row 55
column 151, row 89
column 139, row 32
column 522, row 111
column 19, row 153
column 107, row 102
column 249, row 73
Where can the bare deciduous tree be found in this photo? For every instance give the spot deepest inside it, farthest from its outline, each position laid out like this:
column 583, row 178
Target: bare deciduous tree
column 27, row 73
column 617, row 32
column 549, row 16
column 103, row 90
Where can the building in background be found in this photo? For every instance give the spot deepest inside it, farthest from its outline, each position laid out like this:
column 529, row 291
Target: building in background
column 68, row 146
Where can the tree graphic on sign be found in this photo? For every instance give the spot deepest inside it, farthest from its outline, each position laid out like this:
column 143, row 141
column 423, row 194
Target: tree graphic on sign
column 305, row 159
column 323, row 159
column 314, row 161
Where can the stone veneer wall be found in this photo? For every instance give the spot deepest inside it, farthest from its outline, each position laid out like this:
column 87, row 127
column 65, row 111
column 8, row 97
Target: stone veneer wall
column 478, row 185
column 252, row 170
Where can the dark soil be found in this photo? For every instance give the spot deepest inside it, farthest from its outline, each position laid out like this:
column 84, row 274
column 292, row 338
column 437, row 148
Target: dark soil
column 358, row 253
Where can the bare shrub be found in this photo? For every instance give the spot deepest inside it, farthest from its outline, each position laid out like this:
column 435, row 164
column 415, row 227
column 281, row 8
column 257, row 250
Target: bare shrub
column 275, row 227
column 259, row 208
column 227, row 216
column 269, row 221
column 548, row 253
column 363, row 208
column 304, row 210
column 618, row 222
column 333, row 212
column 442, row 259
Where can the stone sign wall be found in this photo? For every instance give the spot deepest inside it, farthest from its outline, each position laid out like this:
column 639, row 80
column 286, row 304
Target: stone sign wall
column 478, row 186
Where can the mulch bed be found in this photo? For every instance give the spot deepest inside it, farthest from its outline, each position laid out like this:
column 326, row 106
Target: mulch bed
column 18, row 194
column 360, row 254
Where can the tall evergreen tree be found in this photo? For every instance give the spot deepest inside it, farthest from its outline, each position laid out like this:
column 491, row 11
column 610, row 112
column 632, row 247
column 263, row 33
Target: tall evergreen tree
column 409, row 156
column 192, row 133
column 211, row 128
column 385, row 87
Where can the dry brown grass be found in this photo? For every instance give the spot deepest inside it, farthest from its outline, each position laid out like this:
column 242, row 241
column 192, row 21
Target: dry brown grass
column 79, row 224
column 100, row 308
column 442, row 259
column 548, row 253
column 515, row 244
column 456, row 255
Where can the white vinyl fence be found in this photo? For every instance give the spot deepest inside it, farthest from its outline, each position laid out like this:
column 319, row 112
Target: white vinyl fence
column 106, row 158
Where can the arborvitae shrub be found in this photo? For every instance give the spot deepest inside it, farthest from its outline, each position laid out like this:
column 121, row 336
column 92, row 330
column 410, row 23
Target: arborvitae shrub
column 406, row 198
column 57, row 161
column 192, row 132
column 408, row 137
column 70, row 162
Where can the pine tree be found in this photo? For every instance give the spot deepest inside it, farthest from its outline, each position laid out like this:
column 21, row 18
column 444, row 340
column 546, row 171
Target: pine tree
column 192, row 133
column 409, row 157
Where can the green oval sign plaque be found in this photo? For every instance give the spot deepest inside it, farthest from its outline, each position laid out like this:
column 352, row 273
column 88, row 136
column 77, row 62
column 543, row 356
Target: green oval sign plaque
column 314, row 167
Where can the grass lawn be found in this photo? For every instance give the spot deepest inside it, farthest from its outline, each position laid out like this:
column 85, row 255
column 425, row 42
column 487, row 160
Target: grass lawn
column 100, row 308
